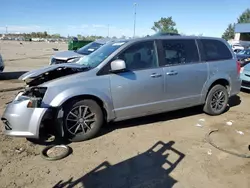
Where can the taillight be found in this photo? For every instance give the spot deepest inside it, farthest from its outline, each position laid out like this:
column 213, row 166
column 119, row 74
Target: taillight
column 238, row 67
column 241, row 69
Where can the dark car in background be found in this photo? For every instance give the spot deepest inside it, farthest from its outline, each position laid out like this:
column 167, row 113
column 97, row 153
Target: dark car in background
column 73, row 56
column 1, row 64
column 243, row 54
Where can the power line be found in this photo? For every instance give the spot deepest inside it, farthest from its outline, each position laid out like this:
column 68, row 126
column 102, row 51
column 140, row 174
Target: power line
column 135, row 4
column 108, row 30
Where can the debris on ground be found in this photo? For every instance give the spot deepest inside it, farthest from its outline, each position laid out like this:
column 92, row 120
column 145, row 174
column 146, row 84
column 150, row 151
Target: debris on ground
column 239, row 132
column 56, row 152
column 209, row 152
column 200, row 122
column 203, row 120
column 229, row 123
column 198, row 125
column 19, row 150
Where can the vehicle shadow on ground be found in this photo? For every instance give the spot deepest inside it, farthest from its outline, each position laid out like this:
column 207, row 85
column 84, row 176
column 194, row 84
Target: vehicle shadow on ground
column 11, row 75
column 234, row 101
column 148, row 169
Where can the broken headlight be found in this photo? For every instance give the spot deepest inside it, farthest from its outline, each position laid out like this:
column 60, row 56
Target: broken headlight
column 36, row 92
column 35, row 96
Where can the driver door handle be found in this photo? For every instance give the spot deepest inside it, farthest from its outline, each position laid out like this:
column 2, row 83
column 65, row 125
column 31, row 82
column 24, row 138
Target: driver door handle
column 171, row 73
column 155, row 75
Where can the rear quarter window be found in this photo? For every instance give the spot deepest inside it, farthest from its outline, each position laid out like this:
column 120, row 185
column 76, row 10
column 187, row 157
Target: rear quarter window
column 214, row 50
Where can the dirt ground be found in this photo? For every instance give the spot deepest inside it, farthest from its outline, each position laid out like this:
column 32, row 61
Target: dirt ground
column 165, row 150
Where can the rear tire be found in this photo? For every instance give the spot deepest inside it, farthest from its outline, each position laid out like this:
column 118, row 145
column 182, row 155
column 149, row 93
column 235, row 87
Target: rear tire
column 82, row 120
column 216, row 101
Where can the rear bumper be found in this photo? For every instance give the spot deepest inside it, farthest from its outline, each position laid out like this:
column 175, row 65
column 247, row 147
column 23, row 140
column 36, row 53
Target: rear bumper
column 235, row 87
column 22, row 121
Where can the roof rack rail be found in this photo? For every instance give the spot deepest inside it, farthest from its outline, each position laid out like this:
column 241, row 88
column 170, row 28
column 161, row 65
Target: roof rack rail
column 166, row 34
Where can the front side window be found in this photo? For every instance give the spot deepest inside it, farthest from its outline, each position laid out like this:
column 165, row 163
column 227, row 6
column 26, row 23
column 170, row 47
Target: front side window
column 179, row 51
column 139, row 56
column 215, row 50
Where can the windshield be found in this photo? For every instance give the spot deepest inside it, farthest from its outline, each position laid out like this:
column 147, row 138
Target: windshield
column 89, row 48
column 95, row 58
column 245, row 52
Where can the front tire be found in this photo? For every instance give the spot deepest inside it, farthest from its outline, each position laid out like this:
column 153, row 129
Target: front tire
column 216, row 101
column 82, row 120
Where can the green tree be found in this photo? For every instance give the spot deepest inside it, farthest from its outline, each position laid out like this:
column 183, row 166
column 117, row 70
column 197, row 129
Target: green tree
column 165, row 25
column 229, row 32
column 56, row 35
column 79, row 37
column 243, row 18
column 45, row 34
column 40, row 35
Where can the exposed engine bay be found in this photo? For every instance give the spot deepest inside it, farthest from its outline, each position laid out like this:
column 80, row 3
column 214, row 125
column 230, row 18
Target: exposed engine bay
column 35, row 93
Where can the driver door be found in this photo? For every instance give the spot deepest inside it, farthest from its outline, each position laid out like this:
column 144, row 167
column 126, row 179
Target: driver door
column 138, row 91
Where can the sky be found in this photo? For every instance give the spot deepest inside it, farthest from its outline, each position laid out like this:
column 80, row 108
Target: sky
column 116, row 17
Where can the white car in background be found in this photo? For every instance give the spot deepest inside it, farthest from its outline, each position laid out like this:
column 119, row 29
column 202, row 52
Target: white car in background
column 1, row 64
column 237, row 47
column 71, row 56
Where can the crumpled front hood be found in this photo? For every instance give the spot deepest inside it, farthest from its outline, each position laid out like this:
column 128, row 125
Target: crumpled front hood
column 51, row 72
column 65, row 55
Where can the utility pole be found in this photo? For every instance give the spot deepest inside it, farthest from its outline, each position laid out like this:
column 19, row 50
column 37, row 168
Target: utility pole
column 108, row 30
column 135, row 4
column 6, row 30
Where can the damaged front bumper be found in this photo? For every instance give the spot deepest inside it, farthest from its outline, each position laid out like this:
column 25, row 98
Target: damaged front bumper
column 22, row 121
column 24, row 116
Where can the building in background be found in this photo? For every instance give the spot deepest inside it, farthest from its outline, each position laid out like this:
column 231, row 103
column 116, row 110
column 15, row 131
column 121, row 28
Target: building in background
column 242, row 35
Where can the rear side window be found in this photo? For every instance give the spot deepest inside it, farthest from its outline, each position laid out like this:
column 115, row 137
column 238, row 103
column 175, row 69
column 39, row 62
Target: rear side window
column 180, row 51
column 214, row 50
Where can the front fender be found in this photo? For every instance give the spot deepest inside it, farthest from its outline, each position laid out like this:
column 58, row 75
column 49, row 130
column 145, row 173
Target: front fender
column 67, row 94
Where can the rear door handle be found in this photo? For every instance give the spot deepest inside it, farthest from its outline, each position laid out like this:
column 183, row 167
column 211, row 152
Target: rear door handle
column 155, row 75
column 171, row 73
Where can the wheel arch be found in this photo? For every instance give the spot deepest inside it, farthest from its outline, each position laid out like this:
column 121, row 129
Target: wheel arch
column 216, row 81
column 92, row 97
column 103, row 98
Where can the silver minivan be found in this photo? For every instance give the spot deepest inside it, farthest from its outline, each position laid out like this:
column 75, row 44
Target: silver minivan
column 122, row 80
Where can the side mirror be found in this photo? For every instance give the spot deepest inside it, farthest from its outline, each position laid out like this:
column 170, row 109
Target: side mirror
column 118, row 65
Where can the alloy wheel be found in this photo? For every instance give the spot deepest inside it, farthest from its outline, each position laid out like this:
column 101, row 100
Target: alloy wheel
column 218, row 100
column 80, row 120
